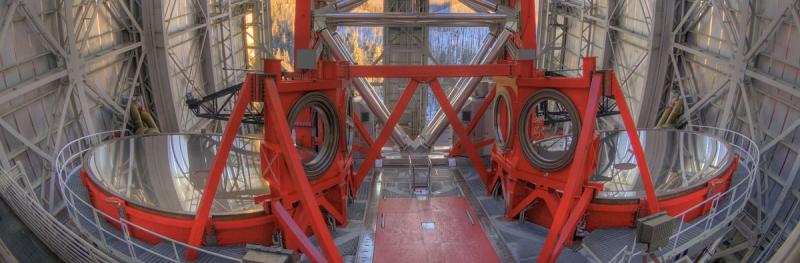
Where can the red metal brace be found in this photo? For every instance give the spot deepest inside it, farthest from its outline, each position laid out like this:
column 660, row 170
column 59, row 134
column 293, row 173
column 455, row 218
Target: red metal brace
column 527, row 15
column 295, row 231
column 364, row 134
column 209, row 192
column 463, row 136
column 308, row 200
column 636, row 144
column 302, row 26
column 574, row 218
column 426, row 71
column 399, row 108
column 456, row 150
column 576, row 173
column 417, row 72
column 362, row 130
column 549, row 200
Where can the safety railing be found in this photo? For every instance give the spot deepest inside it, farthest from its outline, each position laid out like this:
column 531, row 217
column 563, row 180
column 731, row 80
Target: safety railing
column 98, row 226
column 723, row 207
column 65, row 243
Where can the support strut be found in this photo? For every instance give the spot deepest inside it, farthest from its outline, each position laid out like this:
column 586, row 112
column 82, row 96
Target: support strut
column 209, row 192
column 463, row 136
column 630, row 127
column 576, row 172
column 474, row 122
column 308, row 200
column 375, row 150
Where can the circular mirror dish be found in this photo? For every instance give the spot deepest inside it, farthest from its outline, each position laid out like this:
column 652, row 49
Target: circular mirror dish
column 167, row 173
column 679, row 161
column 548, row 129
column 313, row 123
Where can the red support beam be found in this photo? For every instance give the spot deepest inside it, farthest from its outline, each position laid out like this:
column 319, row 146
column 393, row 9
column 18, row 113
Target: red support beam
column 463, row 136
column 572, row 221
column 425, row 71
column 535, row 194
column 497, row 175
column 341, row 218
column 528, row 19
column 555, row 82
column 475, row 120
column 633, row 135
column 362, row 130
column 309, row 85
column 221, row 159
column 308, row 199
column 399, row 108
column 302, row 26
column 577, row 171
column 287, row 222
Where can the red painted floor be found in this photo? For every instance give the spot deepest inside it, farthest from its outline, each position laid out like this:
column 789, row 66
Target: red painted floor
column 452, row 239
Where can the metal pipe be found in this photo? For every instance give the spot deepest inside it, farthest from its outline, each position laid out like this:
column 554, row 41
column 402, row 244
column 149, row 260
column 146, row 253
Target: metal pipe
column 347, row 5
column 461, row 92
column 412, row 19
column 371, row 97
column 488, row 6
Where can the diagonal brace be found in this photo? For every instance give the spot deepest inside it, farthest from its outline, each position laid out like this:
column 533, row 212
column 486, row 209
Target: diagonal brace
column 463, row 136
column 394, row 118
column 474, row 122
column 298, row 174
column 202, row 215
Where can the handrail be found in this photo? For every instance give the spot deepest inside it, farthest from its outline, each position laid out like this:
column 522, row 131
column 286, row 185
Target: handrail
column 88, row 218
column 65, row 243
column 724, row 207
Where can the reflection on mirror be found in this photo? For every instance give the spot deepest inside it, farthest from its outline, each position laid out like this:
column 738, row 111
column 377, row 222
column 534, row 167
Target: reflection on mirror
column 167, row 173
column 679, row 161
column 549, row 127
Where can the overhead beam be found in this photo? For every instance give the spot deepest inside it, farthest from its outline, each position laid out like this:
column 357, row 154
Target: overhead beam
column 364, row 88
column 412, row 19
column 427, row 71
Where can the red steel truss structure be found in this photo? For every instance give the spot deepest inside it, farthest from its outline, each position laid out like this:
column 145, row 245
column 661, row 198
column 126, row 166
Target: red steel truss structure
column 297, row 203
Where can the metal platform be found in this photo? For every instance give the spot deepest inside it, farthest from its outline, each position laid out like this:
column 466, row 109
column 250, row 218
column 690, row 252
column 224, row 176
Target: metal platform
column 512, row 241
column 679, row 162
column 522, row 239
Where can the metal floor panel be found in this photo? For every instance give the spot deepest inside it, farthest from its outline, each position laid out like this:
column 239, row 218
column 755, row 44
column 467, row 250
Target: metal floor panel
column 439, row 229
column 523, row 240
